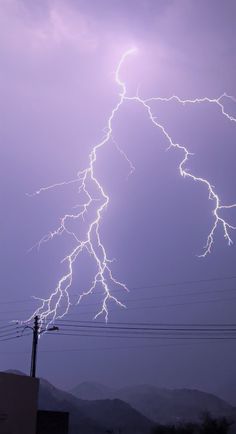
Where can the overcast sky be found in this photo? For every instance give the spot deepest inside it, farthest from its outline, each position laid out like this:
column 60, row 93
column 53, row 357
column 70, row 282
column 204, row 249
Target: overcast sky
column 57, row 89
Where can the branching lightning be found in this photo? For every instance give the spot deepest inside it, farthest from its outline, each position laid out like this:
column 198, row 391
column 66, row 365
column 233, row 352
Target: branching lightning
column 58, row 303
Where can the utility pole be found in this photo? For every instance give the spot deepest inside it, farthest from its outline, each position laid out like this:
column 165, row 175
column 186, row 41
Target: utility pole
column 37, row 331
column 34, row 346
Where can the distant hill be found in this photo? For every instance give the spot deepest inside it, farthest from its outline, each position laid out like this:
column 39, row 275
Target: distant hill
column 97, row 416
column 161, row 405
column 92, row 390
column 95, row 408
column 227, row 391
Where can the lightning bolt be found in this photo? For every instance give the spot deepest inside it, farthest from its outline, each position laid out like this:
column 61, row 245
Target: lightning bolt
column 95, row 198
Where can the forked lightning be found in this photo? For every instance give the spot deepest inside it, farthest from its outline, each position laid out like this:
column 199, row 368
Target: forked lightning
column 58, row 303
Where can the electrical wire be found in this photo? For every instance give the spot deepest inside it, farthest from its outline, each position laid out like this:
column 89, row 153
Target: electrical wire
column 144, row 287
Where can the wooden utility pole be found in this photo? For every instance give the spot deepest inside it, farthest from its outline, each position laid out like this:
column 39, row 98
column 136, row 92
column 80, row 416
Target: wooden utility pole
column 37, row 331
column 34, row 347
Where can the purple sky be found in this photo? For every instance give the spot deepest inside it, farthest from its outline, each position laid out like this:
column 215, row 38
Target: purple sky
column 57, row 89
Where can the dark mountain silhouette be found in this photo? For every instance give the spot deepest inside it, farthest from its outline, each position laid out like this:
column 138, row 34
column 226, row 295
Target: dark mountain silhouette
column 91, row 390
column 227, row 391
column 162, row 405
column 130, row 409
column 15, row 371
column 90, row 417
column 93, row 416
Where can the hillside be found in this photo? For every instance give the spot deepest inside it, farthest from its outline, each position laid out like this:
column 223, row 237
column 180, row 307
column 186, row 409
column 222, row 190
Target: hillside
column 93, row 416
column 162, row 405
column 97, row 408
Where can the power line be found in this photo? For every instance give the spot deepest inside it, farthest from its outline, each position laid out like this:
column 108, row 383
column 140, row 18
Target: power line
column 146, row 337
column 148, row 328
column 145, row 325
column 15, row 336
column 8, row 334
column 145, row 331
column 163, row 306
column 162, row 324
column 185, row 282
column 153, row 286
column 9, row 326
column 89, row 312
column 9, row 339
column 8, row 331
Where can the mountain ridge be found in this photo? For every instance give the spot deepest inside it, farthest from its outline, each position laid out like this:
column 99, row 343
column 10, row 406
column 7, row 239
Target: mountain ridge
column 159, row 404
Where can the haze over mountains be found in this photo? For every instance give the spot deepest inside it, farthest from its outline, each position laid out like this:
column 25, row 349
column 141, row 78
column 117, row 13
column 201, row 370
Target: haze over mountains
column 90, row 416
column 228, row 391
column 158, row 404
column 131, row 409
column 94, row 407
